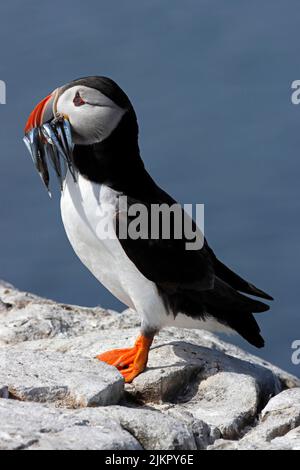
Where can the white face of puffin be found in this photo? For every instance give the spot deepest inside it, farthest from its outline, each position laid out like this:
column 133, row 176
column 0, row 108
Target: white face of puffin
column 92, row 115
column 76, row 115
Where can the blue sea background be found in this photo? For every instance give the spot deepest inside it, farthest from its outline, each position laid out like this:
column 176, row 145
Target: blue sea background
column 211, row 83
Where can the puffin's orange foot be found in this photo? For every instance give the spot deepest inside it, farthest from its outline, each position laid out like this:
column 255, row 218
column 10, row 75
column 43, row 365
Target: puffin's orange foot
column 130, row 362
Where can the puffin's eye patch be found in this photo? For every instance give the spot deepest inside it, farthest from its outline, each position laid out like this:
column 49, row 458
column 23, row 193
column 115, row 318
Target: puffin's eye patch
column 78, row 101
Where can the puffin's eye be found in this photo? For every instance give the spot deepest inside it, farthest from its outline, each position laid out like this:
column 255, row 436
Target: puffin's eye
column 78, row 101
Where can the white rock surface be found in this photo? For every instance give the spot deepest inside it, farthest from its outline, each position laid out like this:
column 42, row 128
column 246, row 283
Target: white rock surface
column 155, row 430
column 290, row 441
column 59, row 378
column 198, row 392
column 277, row 428
column 24, row 317
column 37, row 427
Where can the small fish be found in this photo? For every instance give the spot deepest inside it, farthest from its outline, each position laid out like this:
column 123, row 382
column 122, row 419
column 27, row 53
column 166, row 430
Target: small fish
column 33, row 138
column 36, row 149
column 62, row 138
column 26, row 140
column 53, row 135
column 68, row 134
column 63, row 130
column 54, row 159
column 43, row 167
column 52, row 142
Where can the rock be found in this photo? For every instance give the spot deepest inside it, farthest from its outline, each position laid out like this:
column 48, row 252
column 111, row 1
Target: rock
column 204, row 434
column 224, row 392
column 9, row 294
column 274, row 429
column 4, row 306
column 37, row 427
column 281, row 414
column 59, row 378
column 291, row 441
column 40, row 427
column 87, row 345
column 288, row 399
column 27, row 318
column 197, row 392
column 5, row 285
column 227, row 401
column 287, row 380
column 210, row 377
column 153, row 429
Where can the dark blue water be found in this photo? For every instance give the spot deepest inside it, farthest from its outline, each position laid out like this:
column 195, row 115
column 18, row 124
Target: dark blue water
column 210, row 82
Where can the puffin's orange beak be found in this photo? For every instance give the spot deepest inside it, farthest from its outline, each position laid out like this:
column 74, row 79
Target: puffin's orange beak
column 41, row 113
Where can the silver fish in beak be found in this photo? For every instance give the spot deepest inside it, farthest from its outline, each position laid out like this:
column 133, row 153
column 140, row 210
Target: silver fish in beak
column 48, row 138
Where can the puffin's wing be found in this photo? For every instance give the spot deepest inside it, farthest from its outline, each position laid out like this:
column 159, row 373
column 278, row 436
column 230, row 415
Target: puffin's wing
column 189, row 282
column 167, row 262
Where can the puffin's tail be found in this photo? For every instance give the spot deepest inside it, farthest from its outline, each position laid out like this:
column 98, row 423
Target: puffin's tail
column 235, row 281
column 235, row 310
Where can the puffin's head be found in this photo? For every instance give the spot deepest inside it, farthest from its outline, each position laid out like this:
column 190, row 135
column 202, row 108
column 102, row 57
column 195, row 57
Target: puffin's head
column 94, row 106
column 89, row 109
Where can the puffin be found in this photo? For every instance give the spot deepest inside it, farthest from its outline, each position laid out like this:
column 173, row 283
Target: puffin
column 88, row 131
